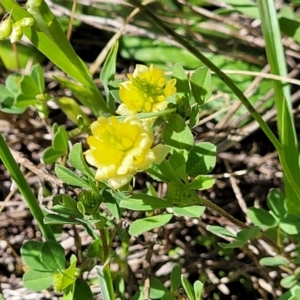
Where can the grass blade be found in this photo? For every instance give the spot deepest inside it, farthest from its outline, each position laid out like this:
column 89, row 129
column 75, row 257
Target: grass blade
column 24, row 188
column 285, row 121
column 52, row 42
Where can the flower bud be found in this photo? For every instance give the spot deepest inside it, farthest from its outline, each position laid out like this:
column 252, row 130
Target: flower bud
column 17, row 33
column 88, row 201
column 5, row 28
column 26, row 22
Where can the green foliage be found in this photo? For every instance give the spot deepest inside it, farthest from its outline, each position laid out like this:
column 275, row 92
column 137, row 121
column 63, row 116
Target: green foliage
column 22, row 91
column 184, row 171
column 201, row 159
column 143, row 225
column 240, row 239
column 77, row 161
column 46, row 262
column 108, row 74
column 52, row 42
column 142, row 202
column 201, row 85
column 144, row 50
column 177, row 134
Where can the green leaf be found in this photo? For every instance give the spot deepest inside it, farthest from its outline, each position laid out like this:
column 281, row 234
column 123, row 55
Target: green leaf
column 29, row 87
column 248, row 234
column 182, row 83
column 235, row 244
column 139, row 226
column 201, row 182
column 289, row 281
column 72, row 110
column 52, row 42
column 201, row 159
column 177, row 162
column 189, row 211
column 242, row 237
column 289, row 24
column 187, row 287
column 120, row 286
column 38, row 76
column 288, row 152
column 50, row 155
column 108, row 73
column 81, row 92
column 37, row 280
column 291, row 294
column 138, row 296
column 95, row 249
column 247, row 7
column 66, row 277
column 276, row 203
column 105, row 280
column 65, row 200
column 12, row 83
column 290, row 224
column 175, row 278
column 290, row 147
column 53, row 255
column 57, row 219
column 77, row 161
column 168, row 296
column 157, row 289
column 198, row 289
column 20, row 59
column 194, row 116
column 69, row 292
column 4, row 93
column 69, row 211
column 69, row 177
column 163, row 172
column 177, row 135
column 261, row 218
column 30, row 253
column 273, row 261
column 217, row 230
column 111, row 204
column 142, row 202
column 180, row 195
column 201, row 84
column 60, row 140
column 82, row 290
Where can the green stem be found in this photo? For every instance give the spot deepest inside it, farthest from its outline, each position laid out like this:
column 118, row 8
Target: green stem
column 24, row 188
column 223, row 213
column 104, row 243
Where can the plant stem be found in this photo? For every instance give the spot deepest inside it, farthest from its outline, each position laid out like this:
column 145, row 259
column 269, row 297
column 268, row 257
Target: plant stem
column 223, row 213
column 104, row 243
column 24, row 188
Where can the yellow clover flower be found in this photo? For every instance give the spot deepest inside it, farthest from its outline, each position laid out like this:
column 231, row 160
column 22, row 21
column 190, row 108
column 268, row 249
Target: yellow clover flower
column 120, row 149
column 146, row 91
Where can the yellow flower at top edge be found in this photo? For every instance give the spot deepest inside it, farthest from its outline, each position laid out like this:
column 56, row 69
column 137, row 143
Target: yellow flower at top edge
column 121, row 148
column 146, row 91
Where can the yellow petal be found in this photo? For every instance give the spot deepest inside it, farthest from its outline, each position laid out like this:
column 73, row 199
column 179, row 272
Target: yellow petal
column 119, row 181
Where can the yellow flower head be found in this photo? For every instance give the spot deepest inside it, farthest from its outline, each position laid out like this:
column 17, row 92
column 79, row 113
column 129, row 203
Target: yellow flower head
column 146, row 91
column 120, row 149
